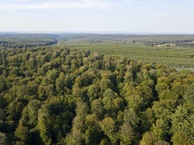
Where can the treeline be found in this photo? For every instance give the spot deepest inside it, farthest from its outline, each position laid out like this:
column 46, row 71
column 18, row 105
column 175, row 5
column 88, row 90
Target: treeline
column 188, row 44
column 68, row 39
column 66, row 96
column 129, row 39
column 26, row 40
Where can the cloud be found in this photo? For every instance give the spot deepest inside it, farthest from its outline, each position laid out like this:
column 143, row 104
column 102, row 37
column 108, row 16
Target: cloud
column 189, row 14
column 167, row 15
column 163, row 14
column 51, row 4
column 22, row 1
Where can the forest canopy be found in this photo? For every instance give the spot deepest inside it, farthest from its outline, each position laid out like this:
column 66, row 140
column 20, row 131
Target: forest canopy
column 56, row 95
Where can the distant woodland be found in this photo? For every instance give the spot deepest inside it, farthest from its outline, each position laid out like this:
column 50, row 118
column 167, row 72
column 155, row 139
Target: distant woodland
column 57, row 94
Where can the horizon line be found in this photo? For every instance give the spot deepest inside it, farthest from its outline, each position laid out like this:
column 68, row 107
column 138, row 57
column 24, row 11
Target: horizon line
column 97, row 32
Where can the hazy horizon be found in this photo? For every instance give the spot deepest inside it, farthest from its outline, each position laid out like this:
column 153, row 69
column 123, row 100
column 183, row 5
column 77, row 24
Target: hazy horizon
column 94, row 32
column 97, row 16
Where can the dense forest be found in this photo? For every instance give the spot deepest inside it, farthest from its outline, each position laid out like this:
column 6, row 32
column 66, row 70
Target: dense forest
column 26, row 40
column 55, row 95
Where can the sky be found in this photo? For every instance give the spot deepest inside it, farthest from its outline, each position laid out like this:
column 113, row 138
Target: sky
column 100, row 16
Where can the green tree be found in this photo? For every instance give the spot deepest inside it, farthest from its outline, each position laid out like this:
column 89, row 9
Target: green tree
column 110, row 129
column 22, row 133
column 126, row 134
column 4, row 139
column 78, row 127
column 182, row 138
column 93, row 133
column 55, row 120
